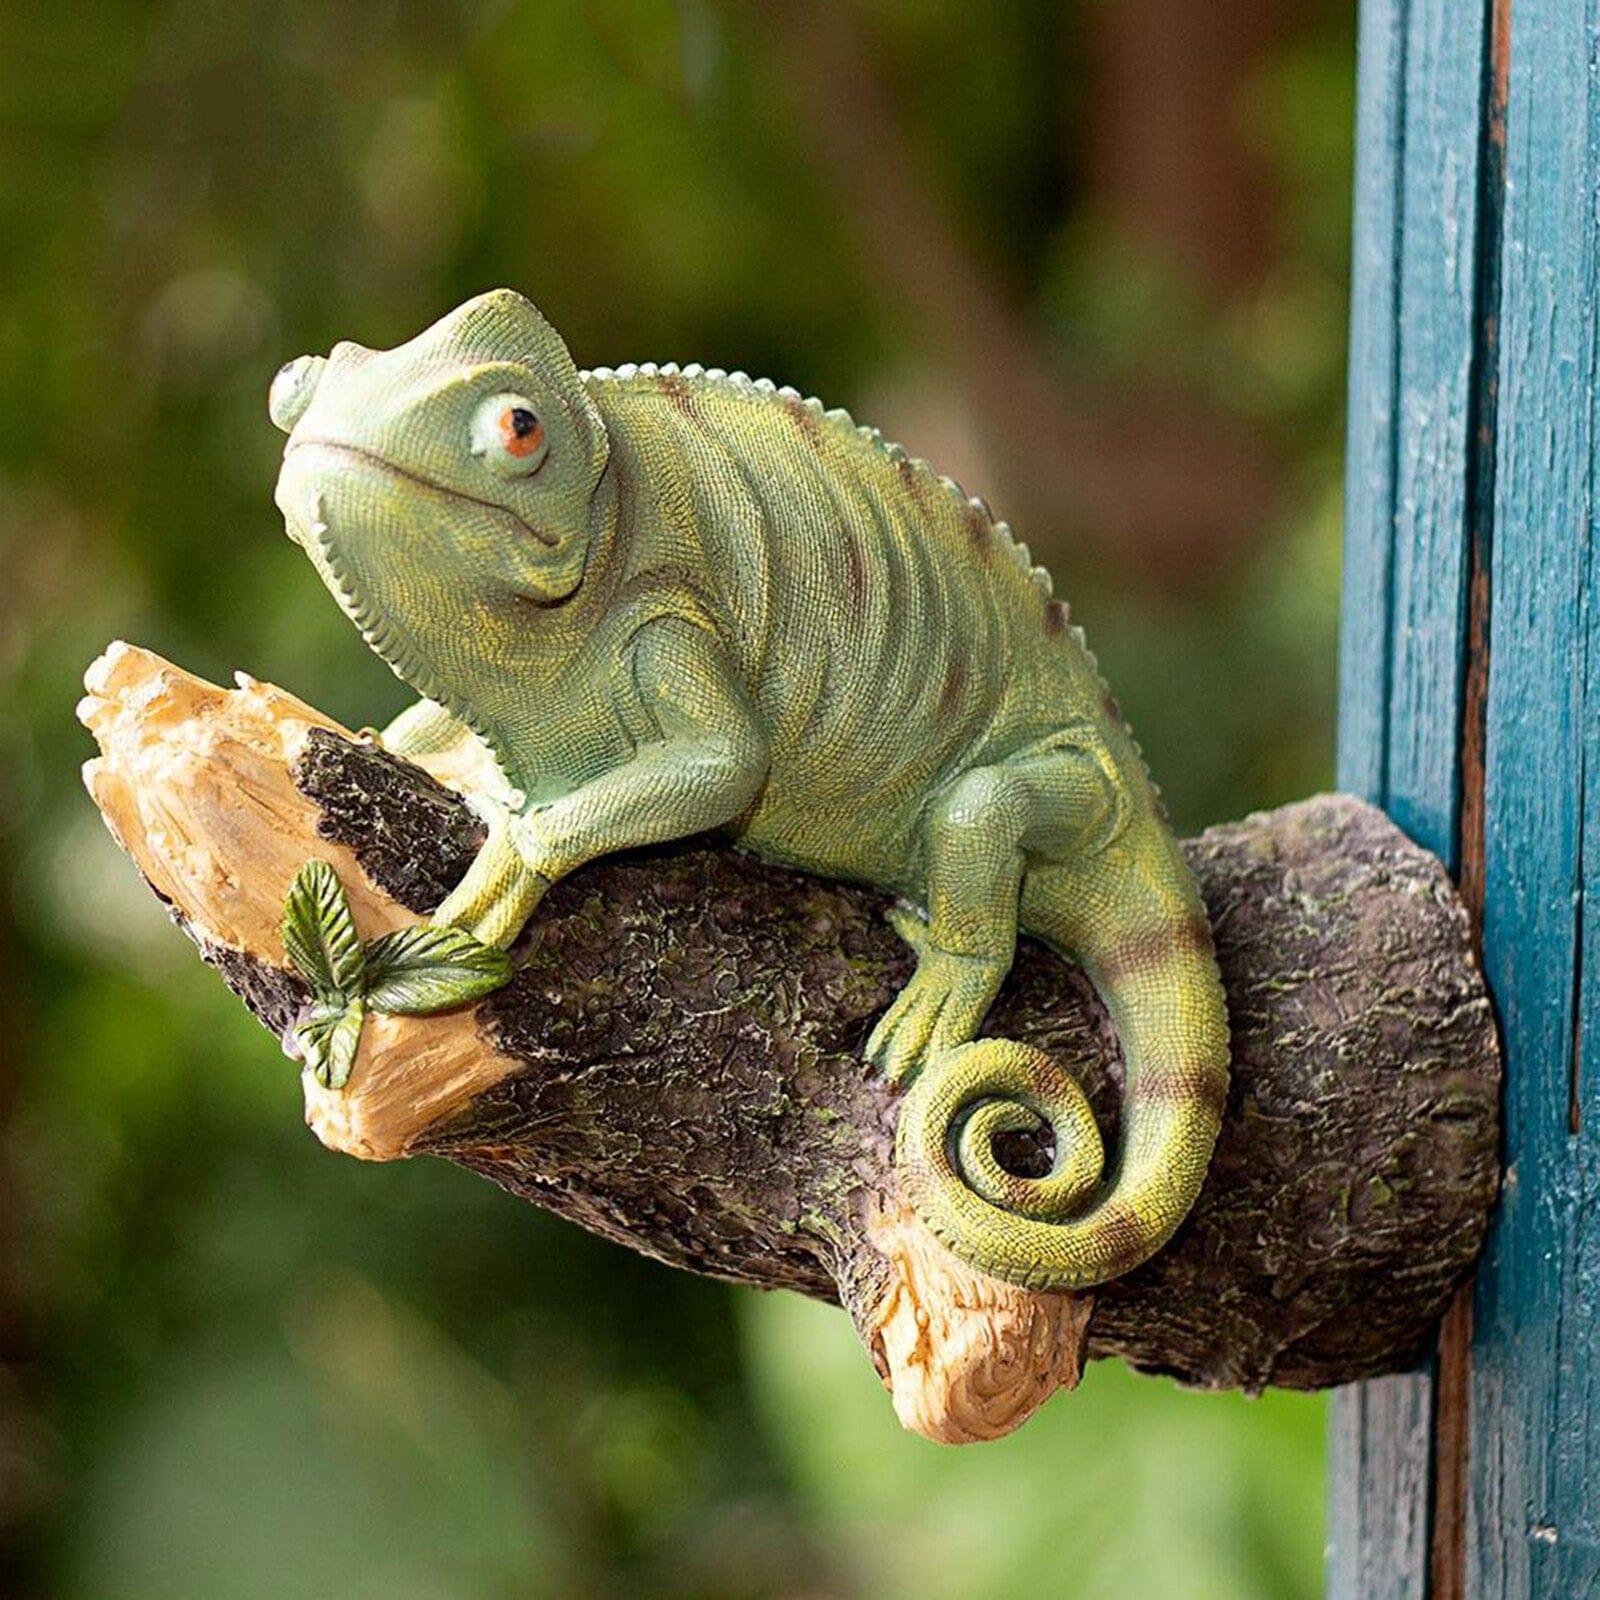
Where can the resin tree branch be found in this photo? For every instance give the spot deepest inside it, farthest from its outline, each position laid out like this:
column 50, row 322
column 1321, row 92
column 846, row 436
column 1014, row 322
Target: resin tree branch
column 675, row 1064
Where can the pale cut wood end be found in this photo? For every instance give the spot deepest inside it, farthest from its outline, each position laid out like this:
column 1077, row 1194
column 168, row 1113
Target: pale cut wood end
column 968, row 1357
column 194, row 782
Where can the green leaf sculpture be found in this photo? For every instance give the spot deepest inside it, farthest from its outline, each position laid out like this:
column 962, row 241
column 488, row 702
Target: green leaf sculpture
column 320, row 934
column 410, row 972
column 328, row 1037
column 422, row 969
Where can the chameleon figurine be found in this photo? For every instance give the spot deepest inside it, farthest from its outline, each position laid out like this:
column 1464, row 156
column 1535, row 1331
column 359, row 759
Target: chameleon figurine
column 673, row 599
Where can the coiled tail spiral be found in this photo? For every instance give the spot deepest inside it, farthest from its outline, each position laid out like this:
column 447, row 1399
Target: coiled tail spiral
column 1077, row 1224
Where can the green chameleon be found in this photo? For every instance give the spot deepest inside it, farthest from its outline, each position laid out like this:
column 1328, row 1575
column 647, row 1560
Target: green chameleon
column 674, row 599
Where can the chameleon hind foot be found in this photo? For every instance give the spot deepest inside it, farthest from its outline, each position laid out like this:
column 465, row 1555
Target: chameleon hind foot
column 942, row 1005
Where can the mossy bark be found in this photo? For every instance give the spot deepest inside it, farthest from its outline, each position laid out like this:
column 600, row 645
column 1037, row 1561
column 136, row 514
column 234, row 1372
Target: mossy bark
column 685, row 1025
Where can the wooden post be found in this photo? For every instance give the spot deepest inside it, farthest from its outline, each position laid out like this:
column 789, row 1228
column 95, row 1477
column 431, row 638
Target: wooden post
column 1471, row 710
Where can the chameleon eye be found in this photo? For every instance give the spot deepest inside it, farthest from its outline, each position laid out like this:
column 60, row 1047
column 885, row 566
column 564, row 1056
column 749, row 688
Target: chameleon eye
column 292, row 390
column 508, row 435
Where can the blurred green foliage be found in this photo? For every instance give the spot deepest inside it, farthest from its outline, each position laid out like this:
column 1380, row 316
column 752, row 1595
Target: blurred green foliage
column 232, row 1365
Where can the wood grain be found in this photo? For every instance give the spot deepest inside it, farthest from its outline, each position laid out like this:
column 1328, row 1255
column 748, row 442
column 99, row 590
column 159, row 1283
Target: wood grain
column 1533, row 1525
column 1412, row 477
column 1509, row 1436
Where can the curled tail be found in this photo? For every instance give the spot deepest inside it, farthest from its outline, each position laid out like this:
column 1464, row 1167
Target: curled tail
column 1138, row 930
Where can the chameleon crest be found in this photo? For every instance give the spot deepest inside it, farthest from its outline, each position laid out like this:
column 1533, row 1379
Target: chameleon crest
column 676, row 599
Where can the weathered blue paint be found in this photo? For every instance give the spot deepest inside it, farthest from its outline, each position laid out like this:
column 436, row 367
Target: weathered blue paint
column 1437, row 235
column 1365, row 617
column 1510, row 449
column 1534, row 1505
column 1411, row 478
column 1380, row 1472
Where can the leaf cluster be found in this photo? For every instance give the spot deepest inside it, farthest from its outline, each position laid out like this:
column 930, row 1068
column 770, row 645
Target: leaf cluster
column 412, row 971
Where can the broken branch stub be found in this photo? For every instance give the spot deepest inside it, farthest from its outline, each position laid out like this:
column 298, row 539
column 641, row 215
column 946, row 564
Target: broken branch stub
column 675, row 1064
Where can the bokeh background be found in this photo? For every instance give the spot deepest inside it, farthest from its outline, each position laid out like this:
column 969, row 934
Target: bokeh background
column 1088, row 255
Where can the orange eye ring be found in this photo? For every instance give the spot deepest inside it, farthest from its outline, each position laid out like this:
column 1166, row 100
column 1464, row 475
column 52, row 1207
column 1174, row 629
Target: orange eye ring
column 521, row 432
column 508, row 435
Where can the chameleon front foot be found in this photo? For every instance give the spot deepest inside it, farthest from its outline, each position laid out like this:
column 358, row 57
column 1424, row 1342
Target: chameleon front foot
column 499, row 892
column 942, row 1005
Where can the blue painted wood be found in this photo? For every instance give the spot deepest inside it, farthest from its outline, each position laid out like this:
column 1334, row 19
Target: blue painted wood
column 1410, row 474
column 1510, row 341
column 1364, row 617
column 1534, row 1512
column 1379, row 1448
column 1432, row 444
column 1378, row 1438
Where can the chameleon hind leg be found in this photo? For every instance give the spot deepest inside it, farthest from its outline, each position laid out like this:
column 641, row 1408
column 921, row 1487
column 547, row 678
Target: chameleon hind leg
column 1129, row 914
column 1051, row 799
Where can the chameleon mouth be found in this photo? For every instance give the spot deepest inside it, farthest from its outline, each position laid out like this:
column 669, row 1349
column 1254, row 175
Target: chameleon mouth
column 388, row 642
column 514, row 523
column 306, row 515
column 315, row 535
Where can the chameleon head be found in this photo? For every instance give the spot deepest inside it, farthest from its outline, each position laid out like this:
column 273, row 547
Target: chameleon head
column 452, row 478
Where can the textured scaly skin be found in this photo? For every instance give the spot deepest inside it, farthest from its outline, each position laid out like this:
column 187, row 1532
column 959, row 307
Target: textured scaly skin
column 711, row 603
